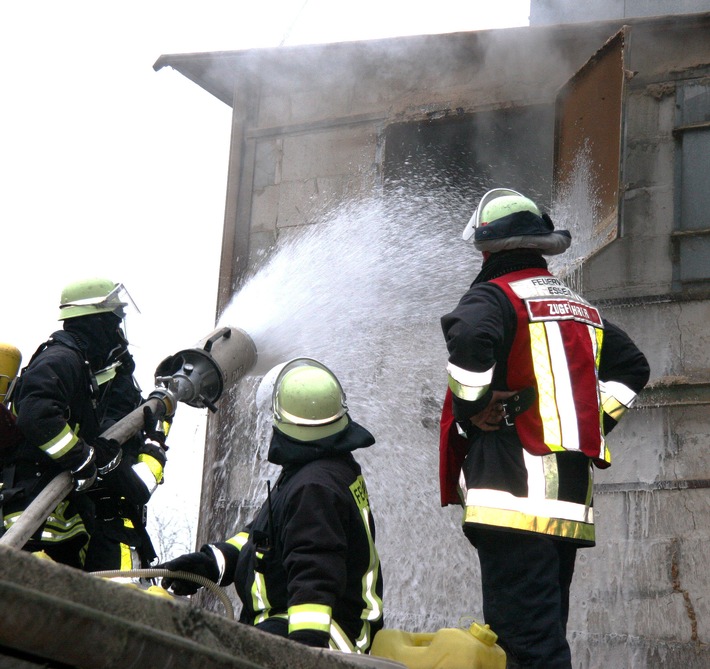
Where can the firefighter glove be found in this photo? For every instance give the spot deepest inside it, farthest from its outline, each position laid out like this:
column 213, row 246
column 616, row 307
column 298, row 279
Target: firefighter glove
column 85, row 472
column 203, row 563
column 154, row 450
column 154, row 428
column 108, row 454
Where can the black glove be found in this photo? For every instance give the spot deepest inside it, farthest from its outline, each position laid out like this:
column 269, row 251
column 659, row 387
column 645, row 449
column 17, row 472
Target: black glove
column 154, row 441
column 202, row 563
column 85, row 472
column 108, row 454
column 155, row 450
column 152, row 427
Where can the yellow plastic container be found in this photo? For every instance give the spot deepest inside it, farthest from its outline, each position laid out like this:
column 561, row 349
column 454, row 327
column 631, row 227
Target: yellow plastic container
column 449, row 648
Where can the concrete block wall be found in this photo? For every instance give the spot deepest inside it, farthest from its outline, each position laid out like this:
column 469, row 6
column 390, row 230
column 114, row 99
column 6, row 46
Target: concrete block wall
column 546, row 12
column 643, row 590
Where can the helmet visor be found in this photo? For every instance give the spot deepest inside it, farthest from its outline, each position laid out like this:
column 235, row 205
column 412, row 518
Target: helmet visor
column 114, row 302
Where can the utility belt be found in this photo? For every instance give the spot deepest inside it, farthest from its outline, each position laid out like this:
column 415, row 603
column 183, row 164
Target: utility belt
column 108, row 507
column 516, row 404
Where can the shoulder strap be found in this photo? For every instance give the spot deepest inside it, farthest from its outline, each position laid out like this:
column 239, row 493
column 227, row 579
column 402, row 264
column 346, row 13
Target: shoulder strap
column 68, row 340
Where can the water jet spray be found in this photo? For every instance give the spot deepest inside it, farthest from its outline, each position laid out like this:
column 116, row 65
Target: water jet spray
column 196, row 376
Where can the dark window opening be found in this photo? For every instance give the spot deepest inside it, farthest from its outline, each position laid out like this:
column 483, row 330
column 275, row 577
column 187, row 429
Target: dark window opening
column 692, row 220
column 509, row 148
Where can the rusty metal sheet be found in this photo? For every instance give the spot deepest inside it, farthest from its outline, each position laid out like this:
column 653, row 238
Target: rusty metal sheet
column 588, row 135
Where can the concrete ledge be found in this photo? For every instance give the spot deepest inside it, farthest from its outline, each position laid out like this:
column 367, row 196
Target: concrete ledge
column 55, row 613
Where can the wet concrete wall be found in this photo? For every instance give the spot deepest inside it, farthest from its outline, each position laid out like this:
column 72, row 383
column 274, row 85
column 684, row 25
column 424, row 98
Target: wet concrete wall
column 644, row 589
column 309, row 133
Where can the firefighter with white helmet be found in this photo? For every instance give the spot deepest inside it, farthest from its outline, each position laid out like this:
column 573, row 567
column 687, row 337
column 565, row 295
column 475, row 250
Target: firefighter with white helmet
column 306, row 567
column 537, row 380
column 76, row 383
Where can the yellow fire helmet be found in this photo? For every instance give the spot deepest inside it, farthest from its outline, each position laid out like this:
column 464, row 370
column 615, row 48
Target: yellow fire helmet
column 495, row 204
column 10, row 360
column 505, row 220
column 94, row 296
column 308, row 402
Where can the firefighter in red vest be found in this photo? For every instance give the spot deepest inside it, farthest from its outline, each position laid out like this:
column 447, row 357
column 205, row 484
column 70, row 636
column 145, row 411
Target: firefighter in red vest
column 537, row 380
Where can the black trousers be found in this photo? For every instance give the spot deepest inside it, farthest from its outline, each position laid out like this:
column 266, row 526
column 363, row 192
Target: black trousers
column 525, row 582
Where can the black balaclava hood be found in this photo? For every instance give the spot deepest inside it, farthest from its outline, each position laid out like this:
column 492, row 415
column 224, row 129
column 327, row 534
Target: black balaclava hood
column 100, row 336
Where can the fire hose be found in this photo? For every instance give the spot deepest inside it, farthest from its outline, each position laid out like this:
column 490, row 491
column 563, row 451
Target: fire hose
column 196, row 376
column 157, row 572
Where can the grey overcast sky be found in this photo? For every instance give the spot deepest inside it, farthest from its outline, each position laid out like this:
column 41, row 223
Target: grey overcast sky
column 109, row 168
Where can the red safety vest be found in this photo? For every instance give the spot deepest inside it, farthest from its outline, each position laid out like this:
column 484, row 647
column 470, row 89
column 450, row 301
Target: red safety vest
column 556, row 350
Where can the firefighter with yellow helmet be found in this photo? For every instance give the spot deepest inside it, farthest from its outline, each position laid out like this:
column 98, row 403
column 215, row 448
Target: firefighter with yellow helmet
column 306, row 567
column 537, row 380
column 10, row 359
column 76, row 383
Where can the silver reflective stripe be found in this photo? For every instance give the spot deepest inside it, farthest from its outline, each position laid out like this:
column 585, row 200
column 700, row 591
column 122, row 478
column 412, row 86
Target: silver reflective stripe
column 339, row 640
column 299, row 420
column 238, row 540
column 145, row 474
column 369, row 581
column 546, row 508
column 468, row 385
column 87, row 460
column 219, row 559
column 309, row 619
column 562, row 384
column 61, row 444
column 260, row 601
column 621, row 392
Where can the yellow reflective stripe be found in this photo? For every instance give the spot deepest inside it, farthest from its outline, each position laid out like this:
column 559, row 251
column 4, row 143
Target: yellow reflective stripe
column 613, row 407
column 517, row 520
column 551, row 474
column 616, row 398
column 127, row 522
column 605, row 453
column 373, row 603
column 468, row 385
column 260, row 601
column 552, row 431
column 126, row 557
column 309, row 617
column 105, row 375
column 358, row 489
column 364, row 641
column 58, row 527
column 149, row 470
column 61, row 444
column 543, row 480
column 339, row 640
column 238, row 540
column 597, row 335
column 564, row 396
column 55, row 533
